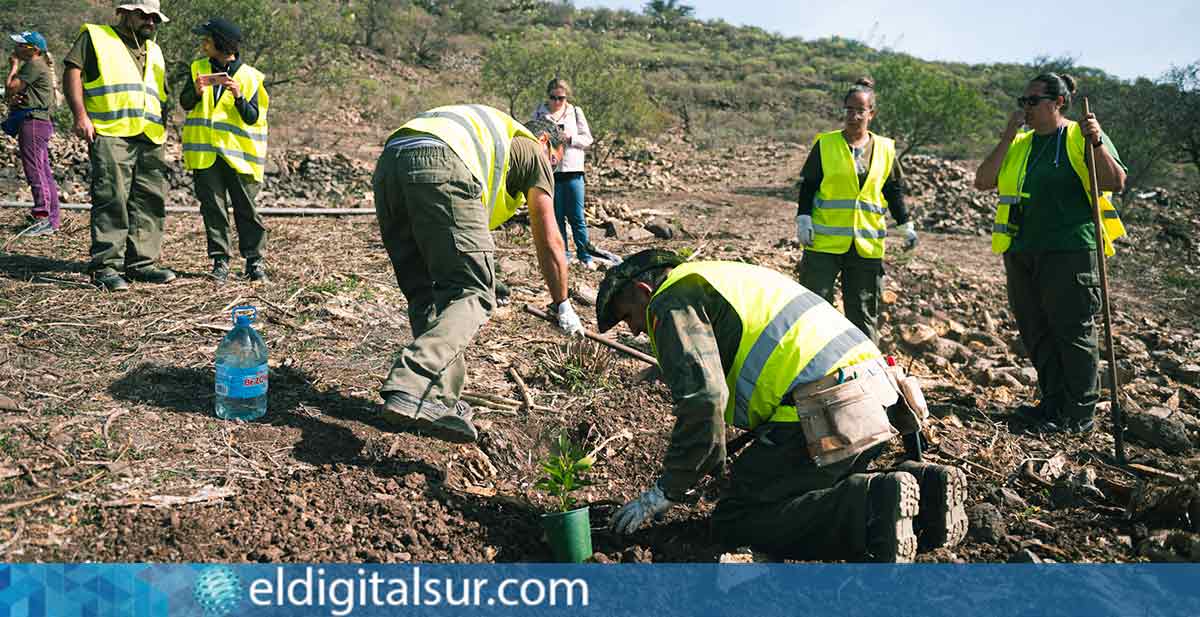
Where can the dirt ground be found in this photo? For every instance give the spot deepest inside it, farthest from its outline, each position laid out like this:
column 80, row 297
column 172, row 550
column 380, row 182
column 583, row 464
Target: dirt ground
column 111, row 451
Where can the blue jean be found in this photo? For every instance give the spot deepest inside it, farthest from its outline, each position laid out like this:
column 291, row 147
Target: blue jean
column 568, row 206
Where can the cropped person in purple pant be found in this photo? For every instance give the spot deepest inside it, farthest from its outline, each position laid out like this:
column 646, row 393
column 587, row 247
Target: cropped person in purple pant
column 29, row 89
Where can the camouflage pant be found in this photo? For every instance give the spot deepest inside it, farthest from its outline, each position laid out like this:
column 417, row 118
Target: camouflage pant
column 435, row 230
column 781, row 503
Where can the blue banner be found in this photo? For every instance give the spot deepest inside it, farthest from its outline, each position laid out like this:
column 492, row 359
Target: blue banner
column 741, row 590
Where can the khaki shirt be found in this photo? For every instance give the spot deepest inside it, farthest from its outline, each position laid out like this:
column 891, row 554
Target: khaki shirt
column 39, row 88
column 527, row 168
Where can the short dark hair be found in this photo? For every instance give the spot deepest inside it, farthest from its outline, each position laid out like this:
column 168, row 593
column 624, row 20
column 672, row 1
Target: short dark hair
column 1057, row 85
column 542, row 125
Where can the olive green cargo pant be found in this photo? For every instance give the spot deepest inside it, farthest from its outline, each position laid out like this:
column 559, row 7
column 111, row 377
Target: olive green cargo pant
column 218, row 187
column 781, row 503
column 435, row 230
column 1055, row 298
column 862, row 284
column 128, row 190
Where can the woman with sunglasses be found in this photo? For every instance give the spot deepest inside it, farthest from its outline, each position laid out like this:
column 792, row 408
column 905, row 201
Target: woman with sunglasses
column 1045, row 231
column 568, row 175
column 30, row 92
column 849, row 182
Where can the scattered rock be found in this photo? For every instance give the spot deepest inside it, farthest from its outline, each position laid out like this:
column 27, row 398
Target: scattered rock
column 1074, row 490
column 1158, row 428
column 1024, row 556
column 917, row 335
column 660, row 228
column 639, row 235
column 986, row 523
column 1187, row 373
column 1171, row 546
column 1007, row 498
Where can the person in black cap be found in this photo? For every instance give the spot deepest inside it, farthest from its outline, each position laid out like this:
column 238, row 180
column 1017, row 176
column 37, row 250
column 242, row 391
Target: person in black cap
column 225, row 146
column 744, row 345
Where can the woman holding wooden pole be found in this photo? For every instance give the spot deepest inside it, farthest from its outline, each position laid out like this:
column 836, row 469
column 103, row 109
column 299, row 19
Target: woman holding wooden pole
column 1044, row 228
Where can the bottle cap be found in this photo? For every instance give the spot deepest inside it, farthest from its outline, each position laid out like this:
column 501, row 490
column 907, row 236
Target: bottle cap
column 243, row 315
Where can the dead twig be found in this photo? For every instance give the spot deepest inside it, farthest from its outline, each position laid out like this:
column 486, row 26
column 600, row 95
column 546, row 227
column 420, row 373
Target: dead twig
column 16, row 536
column 516, row 376
column 973, row 464
column 51, row 495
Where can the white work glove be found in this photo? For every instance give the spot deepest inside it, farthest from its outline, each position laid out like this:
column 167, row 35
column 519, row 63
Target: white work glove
column 804, row 230
column 910, row 235
column 568, row 320
column 649, row 504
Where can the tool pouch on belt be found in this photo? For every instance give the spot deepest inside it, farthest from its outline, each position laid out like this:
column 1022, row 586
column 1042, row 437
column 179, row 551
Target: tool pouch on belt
column 909, row 413
column 846, row 419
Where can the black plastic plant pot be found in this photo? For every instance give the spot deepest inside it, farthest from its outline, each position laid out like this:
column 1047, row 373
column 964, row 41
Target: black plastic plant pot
column 569, row 535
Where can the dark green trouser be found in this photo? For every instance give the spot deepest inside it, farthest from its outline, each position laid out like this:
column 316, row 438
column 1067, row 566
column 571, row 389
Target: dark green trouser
column 781, row 503
column 129, row 186
column 217, row 188
column 862, row 283
column 435, row 229
column 1055, row 298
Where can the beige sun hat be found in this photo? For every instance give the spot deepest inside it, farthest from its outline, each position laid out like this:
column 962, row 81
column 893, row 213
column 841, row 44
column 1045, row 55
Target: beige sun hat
column 145, row 6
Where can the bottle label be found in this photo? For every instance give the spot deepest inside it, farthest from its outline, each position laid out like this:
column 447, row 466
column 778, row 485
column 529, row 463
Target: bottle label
column 242, row 382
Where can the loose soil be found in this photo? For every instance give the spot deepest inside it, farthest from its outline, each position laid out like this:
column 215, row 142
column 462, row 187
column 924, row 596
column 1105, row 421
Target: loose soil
column 111, row 451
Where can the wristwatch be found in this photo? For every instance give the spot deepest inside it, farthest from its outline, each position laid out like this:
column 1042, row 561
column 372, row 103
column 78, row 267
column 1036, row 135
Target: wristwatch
column 1099, row 142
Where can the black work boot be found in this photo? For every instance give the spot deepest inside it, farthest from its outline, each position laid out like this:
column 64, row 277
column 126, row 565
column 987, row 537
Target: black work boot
column 404, row 411
column 256, row 271
column 220, row 269
column 943, row 517
column 109, row 280
column 150, row 274
column 893, row 500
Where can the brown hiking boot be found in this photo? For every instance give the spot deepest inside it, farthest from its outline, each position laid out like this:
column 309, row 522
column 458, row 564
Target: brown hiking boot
column 943, row 517
column 403, row 411
column 893, row 499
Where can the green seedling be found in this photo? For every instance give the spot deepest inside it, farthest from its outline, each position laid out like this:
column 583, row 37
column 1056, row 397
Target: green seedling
column 564, row 468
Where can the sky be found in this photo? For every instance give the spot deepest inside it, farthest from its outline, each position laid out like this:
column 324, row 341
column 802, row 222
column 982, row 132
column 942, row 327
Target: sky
column 1128, row 39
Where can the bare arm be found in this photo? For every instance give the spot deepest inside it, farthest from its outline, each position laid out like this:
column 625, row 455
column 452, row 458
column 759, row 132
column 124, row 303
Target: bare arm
column 548, row 243
column 988, row 175
column 13, row 85
column 73, row 90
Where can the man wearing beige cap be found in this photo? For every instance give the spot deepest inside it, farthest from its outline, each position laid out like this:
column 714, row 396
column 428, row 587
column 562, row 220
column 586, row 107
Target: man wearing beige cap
column 115, row 82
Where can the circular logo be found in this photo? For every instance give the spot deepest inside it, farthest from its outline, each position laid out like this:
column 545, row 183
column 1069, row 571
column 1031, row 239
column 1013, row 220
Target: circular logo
column 218, row 591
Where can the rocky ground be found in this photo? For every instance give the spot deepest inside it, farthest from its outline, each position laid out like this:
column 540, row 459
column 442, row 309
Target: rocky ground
column 109, row 449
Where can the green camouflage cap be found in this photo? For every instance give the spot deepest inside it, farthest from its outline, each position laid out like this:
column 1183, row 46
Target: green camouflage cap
column 622, row 274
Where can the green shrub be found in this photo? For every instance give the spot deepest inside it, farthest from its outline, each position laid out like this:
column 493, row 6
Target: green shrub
column 564, row 468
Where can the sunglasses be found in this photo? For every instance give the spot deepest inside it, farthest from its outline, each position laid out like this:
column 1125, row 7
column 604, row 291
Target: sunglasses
column 151, row 17
column 557, row 98
column 1032, row 101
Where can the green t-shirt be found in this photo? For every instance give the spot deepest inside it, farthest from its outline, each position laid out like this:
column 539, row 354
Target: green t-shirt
column 527, row 168
column 39, row 88
column 1057, row 215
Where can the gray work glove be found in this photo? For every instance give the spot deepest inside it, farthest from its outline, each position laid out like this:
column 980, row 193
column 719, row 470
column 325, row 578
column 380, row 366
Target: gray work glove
column 804, row 229
column 910, row 235
column 649, row 504
column 568, row 320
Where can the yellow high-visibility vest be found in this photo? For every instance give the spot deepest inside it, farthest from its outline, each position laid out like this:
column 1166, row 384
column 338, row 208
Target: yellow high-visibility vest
column 1011, row 184
column 216, row 127
column 790, row 337
column 843, row 210
column 121, row 102
column 481, row 136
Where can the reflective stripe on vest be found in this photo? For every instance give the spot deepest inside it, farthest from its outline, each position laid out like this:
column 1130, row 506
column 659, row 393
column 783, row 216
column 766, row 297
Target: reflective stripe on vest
column 790, row 337
column 481, row 136
column 215, row 128
column 844, row 212
column 122, row 102
column 1010, row 184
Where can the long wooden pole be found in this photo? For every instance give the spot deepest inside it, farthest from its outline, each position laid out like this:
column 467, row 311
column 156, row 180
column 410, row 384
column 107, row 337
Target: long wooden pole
column 1118, row 416
column 629, row 351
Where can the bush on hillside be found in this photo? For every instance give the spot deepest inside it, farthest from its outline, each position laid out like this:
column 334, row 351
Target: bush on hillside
column 920, row 107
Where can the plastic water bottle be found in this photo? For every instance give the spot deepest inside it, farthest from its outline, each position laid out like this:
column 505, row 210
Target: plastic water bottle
column 242, row 372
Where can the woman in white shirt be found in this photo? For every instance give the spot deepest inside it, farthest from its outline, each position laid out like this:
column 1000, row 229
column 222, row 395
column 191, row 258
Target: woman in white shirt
column 568, row 175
